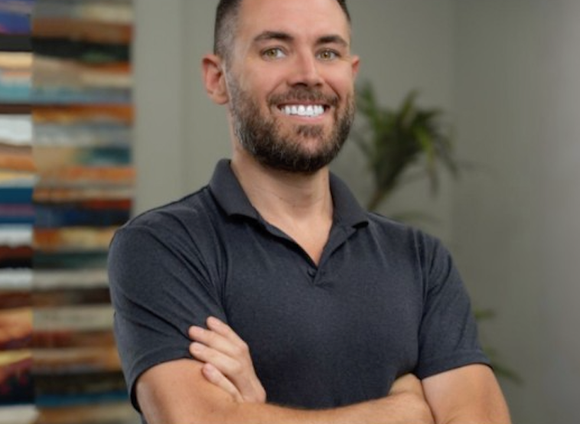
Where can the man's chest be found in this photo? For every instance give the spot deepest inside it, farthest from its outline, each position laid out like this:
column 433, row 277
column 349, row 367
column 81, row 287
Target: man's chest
column 345, row 330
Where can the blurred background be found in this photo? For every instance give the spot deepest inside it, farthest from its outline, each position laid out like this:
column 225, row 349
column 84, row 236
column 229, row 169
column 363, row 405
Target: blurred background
column 507, row 74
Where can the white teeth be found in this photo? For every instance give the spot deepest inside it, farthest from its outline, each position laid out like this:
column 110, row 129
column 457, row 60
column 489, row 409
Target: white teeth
column 301, row 110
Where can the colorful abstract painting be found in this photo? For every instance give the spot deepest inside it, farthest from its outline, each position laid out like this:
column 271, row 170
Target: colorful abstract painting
column 17, row 179
column 82, row 119
column 66, row 184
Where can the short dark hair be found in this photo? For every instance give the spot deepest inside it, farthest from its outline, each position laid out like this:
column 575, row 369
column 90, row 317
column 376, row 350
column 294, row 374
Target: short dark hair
column 225, row 24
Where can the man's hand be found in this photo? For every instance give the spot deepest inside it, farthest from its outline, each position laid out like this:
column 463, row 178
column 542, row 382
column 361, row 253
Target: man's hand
column 227, row 361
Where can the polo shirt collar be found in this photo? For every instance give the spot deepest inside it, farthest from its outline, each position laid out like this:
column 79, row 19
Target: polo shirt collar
column 228, row 192
column 347, row 210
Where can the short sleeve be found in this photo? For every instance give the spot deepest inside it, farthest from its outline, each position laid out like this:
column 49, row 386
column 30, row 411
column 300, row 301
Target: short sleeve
column 448, row 333
column 159, row 287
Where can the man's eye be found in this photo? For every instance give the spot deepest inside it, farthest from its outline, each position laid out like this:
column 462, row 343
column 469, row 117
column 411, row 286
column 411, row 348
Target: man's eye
column 328, row 55
column 274, row 53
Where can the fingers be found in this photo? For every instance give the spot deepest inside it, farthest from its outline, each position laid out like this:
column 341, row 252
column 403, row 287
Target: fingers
column 228, row 365
column 237, row 367
column 220, row 337
column 214, row 376
column 221, row 347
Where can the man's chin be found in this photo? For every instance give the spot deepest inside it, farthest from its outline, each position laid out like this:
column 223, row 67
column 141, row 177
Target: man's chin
column 305, row 162
column 298, row 168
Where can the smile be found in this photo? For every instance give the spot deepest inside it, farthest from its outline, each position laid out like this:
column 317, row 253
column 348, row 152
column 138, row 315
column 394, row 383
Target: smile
column 310, row 111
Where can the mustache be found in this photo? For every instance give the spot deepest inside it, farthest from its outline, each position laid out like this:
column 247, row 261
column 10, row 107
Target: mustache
column 303, row 94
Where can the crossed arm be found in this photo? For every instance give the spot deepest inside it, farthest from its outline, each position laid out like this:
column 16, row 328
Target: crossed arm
column 220, row 386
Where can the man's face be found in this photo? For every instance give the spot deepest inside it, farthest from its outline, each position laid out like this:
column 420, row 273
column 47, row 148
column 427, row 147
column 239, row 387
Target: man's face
column 291, row 82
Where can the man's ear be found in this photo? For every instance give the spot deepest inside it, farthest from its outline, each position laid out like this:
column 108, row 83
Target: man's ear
column 214, row 79
column 355, row 66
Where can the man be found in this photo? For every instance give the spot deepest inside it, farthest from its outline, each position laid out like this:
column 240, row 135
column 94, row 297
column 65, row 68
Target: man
column 349, row 317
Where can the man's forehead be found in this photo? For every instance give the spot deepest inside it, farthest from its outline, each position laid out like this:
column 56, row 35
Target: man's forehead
column 325, row 17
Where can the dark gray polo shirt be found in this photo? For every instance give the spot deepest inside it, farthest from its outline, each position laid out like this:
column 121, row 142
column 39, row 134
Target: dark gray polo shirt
column 385, row 299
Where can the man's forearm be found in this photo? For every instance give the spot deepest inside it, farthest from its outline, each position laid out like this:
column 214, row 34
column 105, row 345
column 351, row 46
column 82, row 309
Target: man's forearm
column 403, row 408
column 228, row 365
column 177, row 393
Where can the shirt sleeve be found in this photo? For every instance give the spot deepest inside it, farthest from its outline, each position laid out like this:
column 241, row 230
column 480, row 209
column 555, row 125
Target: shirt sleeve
column 159, row 287
column 448, row 333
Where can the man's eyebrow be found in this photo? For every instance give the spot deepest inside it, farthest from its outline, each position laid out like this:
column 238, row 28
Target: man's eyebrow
column 283, row 36
column 273, row 35
column 332, row 39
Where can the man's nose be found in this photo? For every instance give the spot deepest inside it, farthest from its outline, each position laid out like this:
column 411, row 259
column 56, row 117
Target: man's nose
column 305, row 71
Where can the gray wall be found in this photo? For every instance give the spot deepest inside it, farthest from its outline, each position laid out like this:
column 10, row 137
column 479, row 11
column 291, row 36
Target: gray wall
column 159, row 72
column 518, row 103
column 506, row 70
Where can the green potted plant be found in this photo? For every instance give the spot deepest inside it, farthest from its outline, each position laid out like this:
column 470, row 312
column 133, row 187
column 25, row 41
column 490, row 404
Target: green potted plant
column 393, row 140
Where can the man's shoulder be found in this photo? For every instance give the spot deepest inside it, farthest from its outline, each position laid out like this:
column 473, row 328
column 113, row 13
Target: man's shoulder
column 403, row 235
column 181, row 217
column 179, row 210
column 394, row 228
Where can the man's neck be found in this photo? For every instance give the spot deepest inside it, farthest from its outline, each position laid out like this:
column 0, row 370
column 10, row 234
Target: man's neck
column 298, row 204
column 284, row 194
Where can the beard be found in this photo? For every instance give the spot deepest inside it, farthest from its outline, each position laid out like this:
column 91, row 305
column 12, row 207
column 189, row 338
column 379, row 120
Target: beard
column 263, row 136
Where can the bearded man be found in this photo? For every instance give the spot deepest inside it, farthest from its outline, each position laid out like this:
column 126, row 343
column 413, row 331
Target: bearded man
column 270, row 295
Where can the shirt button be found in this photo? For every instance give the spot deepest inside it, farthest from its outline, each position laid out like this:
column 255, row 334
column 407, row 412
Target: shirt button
column 312, row 272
